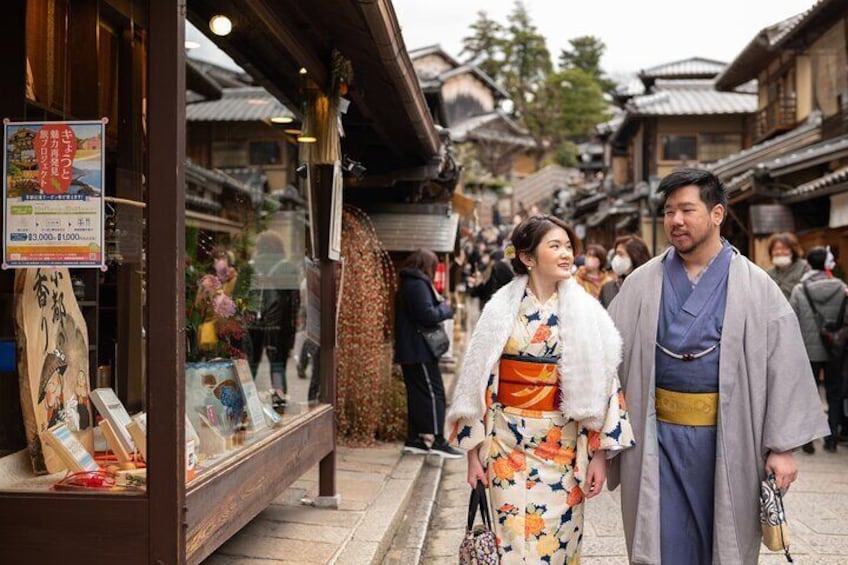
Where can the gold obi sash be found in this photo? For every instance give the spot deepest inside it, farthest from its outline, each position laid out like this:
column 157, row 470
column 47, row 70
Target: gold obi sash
column 687, row 408
column 528, row 383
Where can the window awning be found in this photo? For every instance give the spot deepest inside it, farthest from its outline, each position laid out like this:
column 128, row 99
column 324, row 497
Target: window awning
column 408, row 232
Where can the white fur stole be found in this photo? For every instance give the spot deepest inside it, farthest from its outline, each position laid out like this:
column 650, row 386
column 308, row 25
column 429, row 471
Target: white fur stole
column 591, row 353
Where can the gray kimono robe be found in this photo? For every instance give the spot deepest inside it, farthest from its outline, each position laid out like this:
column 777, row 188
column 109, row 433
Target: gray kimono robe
column 768, row 402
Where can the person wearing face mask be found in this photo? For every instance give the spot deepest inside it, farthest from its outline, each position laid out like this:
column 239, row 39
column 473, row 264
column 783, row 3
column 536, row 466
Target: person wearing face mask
column 630, row 254
column 592, row 276
column 787, row 259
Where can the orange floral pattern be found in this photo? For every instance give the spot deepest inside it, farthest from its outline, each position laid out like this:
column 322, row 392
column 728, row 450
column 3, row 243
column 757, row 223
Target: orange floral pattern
column 536, row 460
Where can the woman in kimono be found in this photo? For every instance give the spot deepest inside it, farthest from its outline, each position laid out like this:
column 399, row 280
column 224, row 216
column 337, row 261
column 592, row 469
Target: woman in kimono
column 537, row 397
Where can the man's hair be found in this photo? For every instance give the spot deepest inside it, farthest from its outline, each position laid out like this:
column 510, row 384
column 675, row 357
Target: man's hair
column 710, row 188
column 817, row 257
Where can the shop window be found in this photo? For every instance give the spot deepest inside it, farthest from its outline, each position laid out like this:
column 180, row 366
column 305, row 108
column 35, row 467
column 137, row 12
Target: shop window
column 264, row 153
column 715, row 146
column 46, row 48
column 679, row 147
column 228, row 154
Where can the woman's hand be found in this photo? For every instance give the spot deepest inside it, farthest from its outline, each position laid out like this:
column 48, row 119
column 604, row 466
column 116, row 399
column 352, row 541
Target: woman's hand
column 596, row 475
column 476, row 472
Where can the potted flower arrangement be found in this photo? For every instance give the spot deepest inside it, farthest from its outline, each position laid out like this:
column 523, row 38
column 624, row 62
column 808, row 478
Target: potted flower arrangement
column 218, row 310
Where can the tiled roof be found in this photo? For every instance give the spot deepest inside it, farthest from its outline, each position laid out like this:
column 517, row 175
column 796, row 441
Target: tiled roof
column 690, row 97
column 494, row 126
column 200, row 174
column 435, row 49
column 805, row 134
column 540, row 185
column 822, row 152
column 756, row 54
column 408, row 232
column 809, row 189
column 244, row 104
column 694, row 67
column 819, row 10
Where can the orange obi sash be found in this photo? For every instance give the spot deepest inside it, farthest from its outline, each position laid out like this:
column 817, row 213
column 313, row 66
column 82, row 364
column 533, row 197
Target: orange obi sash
column 529, row 383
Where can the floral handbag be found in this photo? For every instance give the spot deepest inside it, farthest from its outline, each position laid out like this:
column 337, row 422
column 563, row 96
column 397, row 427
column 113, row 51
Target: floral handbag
column 479, row 546
column 773, row 518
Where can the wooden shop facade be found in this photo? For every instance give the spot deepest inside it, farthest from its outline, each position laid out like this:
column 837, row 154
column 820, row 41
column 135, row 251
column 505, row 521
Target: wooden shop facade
column 125, row 60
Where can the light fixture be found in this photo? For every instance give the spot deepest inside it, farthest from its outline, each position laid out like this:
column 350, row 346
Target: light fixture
column 221, row 25
column 282, row 120
column 189, row 45
column 292, row 131
column 306, row 139
column 302, row 70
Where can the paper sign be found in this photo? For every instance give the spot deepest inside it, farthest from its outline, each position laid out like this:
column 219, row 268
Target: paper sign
column 53, row 182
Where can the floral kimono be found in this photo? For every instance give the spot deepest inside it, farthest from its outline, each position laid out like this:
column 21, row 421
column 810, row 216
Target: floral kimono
column 536, row 460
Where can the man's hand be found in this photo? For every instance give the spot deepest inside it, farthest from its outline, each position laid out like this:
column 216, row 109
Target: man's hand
column 475, row 469
column 596, row 475
column 784, row 468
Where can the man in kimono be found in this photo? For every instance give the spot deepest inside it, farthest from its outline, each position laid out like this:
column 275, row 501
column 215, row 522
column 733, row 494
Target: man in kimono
column 718, row 385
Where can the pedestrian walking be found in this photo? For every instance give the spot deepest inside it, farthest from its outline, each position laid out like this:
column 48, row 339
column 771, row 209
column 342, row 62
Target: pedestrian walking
column 718, row 387
column 787, row 259
column 417, row 308
column 592, row 275
column 630, row 253
column 537, row 399
column 498, row 273
column 819, row 299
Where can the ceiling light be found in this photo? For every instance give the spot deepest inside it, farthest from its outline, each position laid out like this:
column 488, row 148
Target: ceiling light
column 221, row 25
column 282, row 119
column 302, row 70
column 292, row 131
column 306, row 139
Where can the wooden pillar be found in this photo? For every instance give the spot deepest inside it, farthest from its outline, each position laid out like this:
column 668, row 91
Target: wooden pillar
column 165, row 280
column 322, row 194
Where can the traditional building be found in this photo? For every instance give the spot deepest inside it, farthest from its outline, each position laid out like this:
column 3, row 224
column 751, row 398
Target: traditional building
column 672, row 117
column 794, row 178
column 493, row 148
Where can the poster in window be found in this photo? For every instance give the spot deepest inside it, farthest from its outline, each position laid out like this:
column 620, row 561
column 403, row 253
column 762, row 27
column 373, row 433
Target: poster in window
column 53, row 181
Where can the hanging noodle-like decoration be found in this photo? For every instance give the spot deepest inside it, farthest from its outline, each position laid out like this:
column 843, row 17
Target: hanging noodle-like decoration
column 367, row 403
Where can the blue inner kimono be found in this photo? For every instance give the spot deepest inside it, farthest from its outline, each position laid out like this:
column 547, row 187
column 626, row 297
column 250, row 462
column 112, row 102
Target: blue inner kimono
column 691, row 319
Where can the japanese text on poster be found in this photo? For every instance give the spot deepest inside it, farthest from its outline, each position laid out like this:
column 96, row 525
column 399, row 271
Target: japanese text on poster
column 53, row 176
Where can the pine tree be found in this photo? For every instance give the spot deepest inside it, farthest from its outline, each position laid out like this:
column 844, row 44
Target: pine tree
column 484, row 46
column 585, row 54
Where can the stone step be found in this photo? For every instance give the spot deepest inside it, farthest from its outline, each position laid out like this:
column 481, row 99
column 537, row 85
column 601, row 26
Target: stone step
column 407, row 546
column 373, row 534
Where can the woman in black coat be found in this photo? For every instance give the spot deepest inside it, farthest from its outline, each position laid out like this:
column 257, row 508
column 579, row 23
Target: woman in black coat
column 418, row 305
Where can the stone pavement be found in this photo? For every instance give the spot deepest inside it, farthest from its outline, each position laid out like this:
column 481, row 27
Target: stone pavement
column 816, row 507
column 375, row 485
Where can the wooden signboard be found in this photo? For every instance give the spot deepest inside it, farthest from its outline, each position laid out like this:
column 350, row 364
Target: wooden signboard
column 53, row 362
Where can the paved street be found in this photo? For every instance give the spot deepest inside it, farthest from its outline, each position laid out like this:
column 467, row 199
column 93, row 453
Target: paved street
column 815, row 506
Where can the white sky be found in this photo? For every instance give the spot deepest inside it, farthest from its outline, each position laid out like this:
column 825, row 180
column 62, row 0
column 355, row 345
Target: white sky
column 638, row 33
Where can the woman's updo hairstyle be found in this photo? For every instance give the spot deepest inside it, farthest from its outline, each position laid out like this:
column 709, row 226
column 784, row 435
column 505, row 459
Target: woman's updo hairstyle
column 527, row 236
